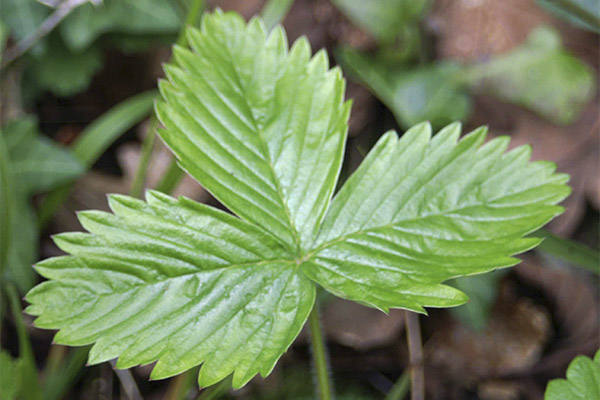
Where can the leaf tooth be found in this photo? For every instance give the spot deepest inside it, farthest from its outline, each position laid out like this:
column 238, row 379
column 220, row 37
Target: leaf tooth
column 445, row 138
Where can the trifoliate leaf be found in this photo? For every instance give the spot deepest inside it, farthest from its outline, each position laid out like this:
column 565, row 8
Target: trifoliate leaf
column 539, row 75
column 177, row 282
column 263, row 128
column 582, row 383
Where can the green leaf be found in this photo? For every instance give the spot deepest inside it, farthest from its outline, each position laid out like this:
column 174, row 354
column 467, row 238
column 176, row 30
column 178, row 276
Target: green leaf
column 384, row 19
column 482, row 291
column 419, row 211
column 582, row 13
column 8, row 376
column 7, row 204
column 582, row 383
column 88, row 21
column 177, row 282
column 539, row 75
column 261, row 128
column 36, row 165
column 264, row 128
column 62, row 71
column 93, row 141
column 23, row 17
column 27, row 381
column 414, row 95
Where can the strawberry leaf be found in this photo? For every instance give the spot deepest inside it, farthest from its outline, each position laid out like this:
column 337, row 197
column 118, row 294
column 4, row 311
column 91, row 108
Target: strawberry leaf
column 583, row 381
column 263, row 129
column 177, row 282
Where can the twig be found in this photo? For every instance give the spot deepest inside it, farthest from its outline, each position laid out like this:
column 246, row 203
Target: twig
column 62, row 10
column 127, row 382
column 415, row 351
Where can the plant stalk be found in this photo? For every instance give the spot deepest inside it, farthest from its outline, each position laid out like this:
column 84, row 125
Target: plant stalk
column 415, row 352
column 320, row 363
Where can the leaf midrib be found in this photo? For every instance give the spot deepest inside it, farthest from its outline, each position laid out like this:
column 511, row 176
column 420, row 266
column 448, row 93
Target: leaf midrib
column 266, row 154
column 342, row 238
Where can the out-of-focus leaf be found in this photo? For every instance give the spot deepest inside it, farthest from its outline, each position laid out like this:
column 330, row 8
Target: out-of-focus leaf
column 36, row 165
column 384, row 19
column 88, row 22
column 582, row 13
column 414, row 95
column 6, row 204
column 27, row 381
column 97, row 137
column 582, row 383
column 24, row 17
column 62, row 71
column 569, row 251
column 539, row 75
column 274, row 11
column 482, row 291
column 23, row 251
column 8, row 376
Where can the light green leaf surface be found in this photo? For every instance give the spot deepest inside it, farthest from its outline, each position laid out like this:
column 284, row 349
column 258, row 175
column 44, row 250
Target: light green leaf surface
column 582, row 383
column 264, row 128
column 540, row 75
column 88, row 21
column 414, row 95
column 384, row 19
column 582, row 13
column 177, row 282
column 419, row 211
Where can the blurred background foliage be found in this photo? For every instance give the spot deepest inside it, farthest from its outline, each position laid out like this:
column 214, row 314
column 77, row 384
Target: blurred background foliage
column 78, row 83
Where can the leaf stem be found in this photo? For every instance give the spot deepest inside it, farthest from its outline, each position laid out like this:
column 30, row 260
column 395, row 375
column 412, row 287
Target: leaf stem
column 415, row 352
column 127, row 382
column 321, row 368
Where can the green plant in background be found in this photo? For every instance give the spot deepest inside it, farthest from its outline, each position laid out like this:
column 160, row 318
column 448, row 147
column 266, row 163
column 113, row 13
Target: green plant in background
column 31, row 164
column 539, row 75
column 582, row 383
column 65, row 61
column 263, row 128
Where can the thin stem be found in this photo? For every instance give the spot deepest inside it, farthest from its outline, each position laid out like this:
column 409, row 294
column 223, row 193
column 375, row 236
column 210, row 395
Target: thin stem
column 137, row 186
column 127, row 382
column 321, row 368
column 47, row 26
column 400, row 388
column 415, row 352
